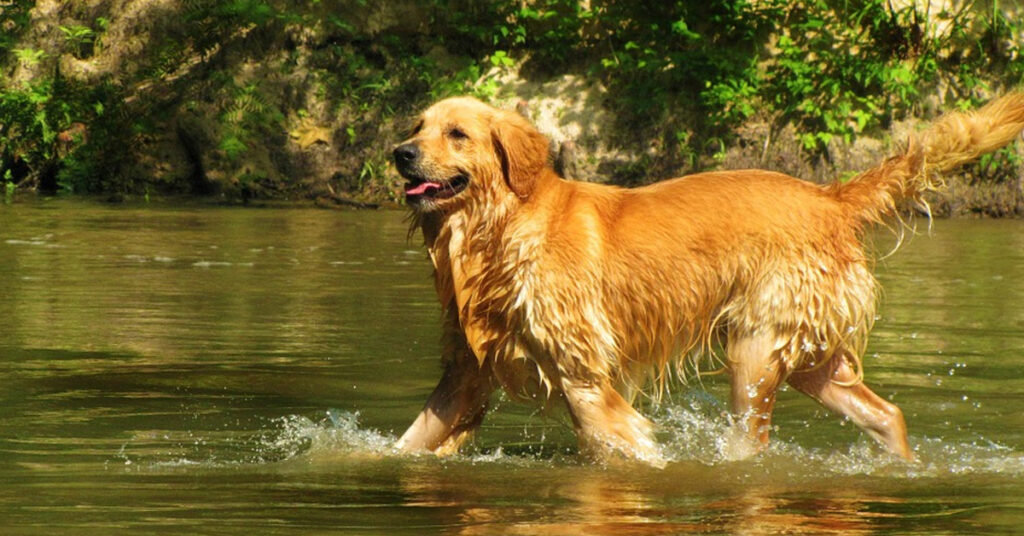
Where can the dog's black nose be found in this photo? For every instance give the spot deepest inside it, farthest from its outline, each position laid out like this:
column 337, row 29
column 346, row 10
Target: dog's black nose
column 406, row 153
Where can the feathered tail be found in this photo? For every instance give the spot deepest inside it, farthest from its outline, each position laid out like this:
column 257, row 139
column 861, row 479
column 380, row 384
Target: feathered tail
column 954, row 139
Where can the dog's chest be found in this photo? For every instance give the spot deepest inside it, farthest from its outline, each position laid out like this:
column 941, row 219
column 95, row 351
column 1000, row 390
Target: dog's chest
column 483, row 280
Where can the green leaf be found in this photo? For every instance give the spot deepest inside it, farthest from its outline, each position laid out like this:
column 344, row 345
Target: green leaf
column 232, row 146
column 29, row 56
column 681, row 29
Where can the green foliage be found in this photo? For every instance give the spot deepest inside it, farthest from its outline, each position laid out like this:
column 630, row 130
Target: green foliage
column 9, row 186
column 79, row 38
column 85, row 161
column 29, row 56
column 835, row 69
column 27, row 127
column 679, row 52
column 1003, row 165
column 686, row 73
column 254, row 12
column 37, row 134
column 14, row 18
column 245, row 114
column 841, row 71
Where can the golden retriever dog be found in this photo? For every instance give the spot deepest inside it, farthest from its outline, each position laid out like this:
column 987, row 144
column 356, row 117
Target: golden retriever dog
column 582, row 293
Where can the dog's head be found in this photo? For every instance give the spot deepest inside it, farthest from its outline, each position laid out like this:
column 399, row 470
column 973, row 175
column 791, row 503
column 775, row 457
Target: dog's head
column 463, row 149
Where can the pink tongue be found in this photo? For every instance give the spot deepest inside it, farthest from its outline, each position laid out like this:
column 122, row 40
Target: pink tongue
column 422, row 187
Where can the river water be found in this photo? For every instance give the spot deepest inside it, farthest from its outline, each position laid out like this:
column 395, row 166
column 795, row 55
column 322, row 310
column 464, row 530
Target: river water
column 200, row 370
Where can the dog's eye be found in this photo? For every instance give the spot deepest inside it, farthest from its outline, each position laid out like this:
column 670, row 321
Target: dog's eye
column 456, row 134
column 416, row 129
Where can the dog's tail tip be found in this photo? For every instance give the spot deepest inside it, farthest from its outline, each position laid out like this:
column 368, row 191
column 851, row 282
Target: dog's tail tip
column 960, row 137
column 954, row 139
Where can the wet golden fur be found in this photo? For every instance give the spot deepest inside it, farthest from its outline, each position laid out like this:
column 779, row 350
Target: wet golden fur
column 567, row 291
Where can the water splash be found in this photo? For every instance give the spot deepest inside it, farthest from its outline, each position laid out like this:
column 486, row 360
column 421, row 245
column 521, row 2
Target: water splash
column 338, row 433
column 696, row 430
column 700, row 430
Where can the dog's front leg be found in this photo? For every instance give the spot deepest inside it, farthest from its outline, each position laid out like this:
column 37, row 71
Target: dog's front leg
column 452, row 412
column 607, row 424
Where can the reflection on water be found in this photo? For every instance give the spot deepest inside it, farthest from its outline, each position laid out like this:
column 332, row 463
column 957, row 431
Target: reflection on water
column 177, row 369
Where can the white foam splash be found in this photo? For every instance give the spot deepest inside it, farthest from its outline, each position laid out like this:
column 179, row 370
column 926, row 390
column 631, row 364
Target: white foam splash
column 695, row 429
column 702, row 432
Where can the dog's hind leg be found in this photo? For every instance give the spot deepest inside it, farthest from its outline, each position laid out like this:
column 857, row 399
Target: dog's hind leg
column 757, row 372
column 606, row 423
column 452, row 412
column 837, row 386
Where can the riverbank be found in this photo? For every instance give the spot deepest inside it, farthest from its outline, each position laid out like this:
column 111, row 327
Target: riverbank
column 979, row 201
column 246, row 101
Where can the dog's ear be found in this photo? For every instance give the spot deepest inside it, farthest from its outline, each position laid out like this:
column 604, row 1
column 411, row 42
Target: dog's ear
column 522, row 151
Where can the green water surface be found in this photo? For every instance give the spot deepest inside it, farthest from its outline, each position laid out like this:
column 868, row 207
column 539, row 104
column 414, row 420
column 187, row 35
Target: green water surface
column 198, row 370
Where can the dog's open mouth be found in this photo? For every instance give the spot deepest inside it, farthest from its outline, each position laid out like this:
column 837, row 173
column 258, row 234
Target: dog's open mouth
column 418, row 188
